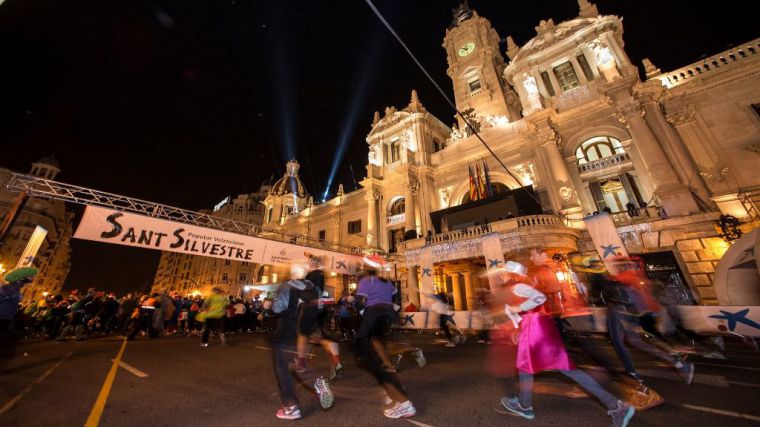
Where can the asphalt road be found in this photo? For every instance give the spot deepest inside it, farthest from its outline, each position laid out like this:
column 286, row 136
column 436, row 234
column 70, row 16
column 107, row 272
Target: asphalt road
column 57, row 384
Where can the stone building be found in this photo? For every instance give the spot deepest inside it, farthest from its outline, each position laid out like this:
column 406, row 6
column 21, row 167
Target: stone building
column 54, row 256
column 192, row 274
column 578, row 130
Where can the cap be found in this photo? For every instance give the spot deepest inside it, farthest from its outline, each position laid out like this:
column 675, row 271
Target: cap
column 373, row 261
column 20, row 273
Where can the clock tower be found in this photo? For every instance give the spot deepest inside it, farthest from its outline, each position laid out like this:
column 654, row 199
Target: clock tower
column 476, row 66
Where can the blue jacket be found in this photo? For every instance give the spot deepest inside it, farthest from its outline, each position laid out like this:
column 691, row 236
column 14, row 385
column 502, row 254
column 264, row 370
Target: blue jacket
column 10, row 295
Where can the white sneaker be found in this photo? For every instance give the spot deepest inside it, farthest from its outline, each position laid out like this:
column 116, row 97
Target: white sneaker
column 401, row 410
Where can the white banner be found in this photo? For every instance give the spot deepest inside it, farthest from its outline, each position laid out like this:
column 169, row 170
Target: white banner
column 123, row 228
column 32, row 247
column 605, row 237
column 427, row 287
column 494, row 256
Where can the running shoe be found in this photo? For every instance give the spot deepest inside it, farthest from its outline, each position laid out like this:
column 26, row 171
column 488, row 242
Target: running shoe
column 513, row 405
column 621, row 415
column 686, row 372
column 326, row 397
column 204, row 344
column 450, row 344
column 223, row 339
column 401, row 410
column 289, row 413
column 419, row 357
column 336, row 371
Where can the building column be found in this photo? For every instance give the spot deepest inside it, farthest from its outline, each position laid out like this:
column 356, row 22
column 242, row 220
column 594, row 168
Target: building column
column 469, row 290
column 456, row 289
column 564, row 195
column 409, row 208
column 372, row 225
column 412, row 285
column 674, row 196
column 669, row 139
column 587, row 203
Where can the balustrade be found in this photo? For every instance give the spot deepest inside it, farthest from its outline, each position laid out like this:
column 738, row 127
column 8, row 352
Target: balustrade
column 603, row 163
column 708, row 65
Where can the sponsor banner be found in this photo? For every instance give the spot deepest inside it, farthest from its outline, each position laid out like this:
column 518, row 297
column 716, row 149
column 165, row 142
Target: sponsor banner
column 605, row 237
column 430, row 320
column 494, row 256
column 129, row 229
column 32, row 247
column 427, row 288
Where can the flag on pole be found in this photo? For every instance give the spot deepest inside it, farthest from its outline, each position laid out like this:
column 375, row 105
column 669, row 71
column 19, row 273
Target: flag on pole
column 489, row 187
column 606, row 238
column 473, row 191
column 481, row 186
column 494, row 257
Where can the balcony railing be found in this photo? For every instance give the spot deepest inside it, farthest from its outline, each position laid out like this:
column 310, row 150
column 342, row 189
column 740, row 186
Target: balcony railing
column 396, row 219
column 707, row 66
column 604, row 163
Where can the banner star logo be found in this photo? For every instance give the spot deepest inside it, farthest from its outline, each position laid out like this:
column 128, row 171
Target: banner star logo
column 609, row 250
column 427, row 271
column 494, row 263
column 342, row 264
column 734, row 318
column 448, row 318
column 408, row 319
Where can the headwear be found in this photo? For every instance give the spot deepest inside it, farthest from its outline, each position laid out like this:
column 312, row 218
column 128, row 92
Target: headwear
column 515, row 268
column 586, row 264
column 20, row 273
column 373, row 261
column 298, row 271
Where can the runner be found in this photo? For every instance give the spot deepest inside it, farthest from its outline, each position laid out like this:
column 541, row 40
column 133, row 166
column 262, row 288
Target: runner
column 540, row 348
column 212, row 314
column 289, row 296
column 375, row 296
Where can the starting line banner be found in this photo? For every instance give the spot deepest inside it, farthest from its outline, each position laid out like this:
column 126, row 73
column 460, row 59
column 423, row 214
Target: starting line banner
column 124, row 228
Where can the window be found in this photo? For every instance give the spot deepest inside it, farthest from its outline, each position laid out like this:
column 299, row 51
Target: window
column 226, row 262
column 547, row 83
column 598, row 148
column 397, row 207
column 322, row 235
column 474, row 85
column 437, row 145
column 243, row 277
column 355, row 227
column 239, row 208
column 585, row 67
column 395, row 150
column 566, row 77
column 225, row 277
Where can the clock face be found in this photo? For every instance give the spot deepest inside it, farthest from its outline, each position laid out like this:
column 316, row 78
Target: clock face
column 466, row 49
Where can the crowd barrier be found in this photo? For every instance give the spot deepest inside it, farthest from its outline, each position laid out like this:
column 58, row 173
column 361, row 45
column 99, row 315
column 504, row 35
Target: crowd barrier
column 708, row 320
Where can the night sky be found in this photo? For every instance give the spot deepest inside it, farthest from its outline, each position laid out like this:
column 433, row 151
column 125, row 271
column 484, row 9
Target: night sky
column 186, row 102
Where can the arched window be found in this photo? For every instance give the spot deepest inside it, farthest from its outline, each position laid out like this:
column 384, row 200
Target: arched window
column 397, row 207
column 597, row 148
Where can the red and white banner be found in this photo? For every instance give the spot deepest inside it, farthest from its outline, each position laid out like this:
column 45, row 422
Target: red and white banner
column 124, row 228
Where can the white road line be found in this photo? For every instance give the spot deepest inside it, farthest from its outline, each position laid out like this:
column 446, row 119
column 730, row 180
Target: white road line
column 286, row 351
column 11, row 403
column 723, row 412
column 417, row 423
column 131, row 369
column 744, row 384
column 727, row 366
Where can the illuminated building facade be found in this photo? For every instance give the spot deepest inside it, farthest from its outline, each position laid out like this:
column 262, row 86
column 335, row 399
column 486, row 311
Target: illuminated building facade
column 54, row 256
column 570, row 116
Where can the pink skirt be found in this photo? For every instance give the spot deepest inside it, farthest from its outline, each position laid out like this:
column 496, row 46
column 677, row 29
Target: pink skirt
column 540, row 347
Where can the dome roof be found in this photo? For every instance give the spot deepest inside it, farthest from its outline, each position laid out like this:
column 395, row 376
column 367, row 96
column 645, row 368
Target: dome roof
column 290, row 183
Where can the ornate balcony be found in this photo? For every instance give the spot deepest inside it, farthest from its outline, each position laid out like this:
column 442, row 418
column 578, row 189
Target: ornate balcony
column 396, row 219
column 604, row 163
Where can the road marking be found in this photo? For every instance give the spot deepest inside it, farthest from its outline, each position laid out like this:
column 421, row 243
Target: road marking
column 100, row 403
column 11, row 403
column 744, row 384
column 723, row 412
column 136, row 372
column 728, row 366
column 286, row 351
column 417, row 423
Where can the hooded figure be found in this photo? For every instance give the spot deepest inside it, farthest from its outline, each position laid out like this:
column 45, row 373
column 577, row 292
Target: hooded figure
column 10, row 296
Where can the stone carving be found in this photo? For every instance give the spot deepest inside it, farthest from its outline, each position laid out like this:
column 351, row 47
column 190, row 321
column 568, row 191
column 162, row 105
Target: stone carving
column 529, row 83
column 526, row 173
column 627, row 110
column 715, row 173
column 681, row 116
column 566, row 193
column 602, row 53
column 512, row 48
column 445, row 194
column 374, row 156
